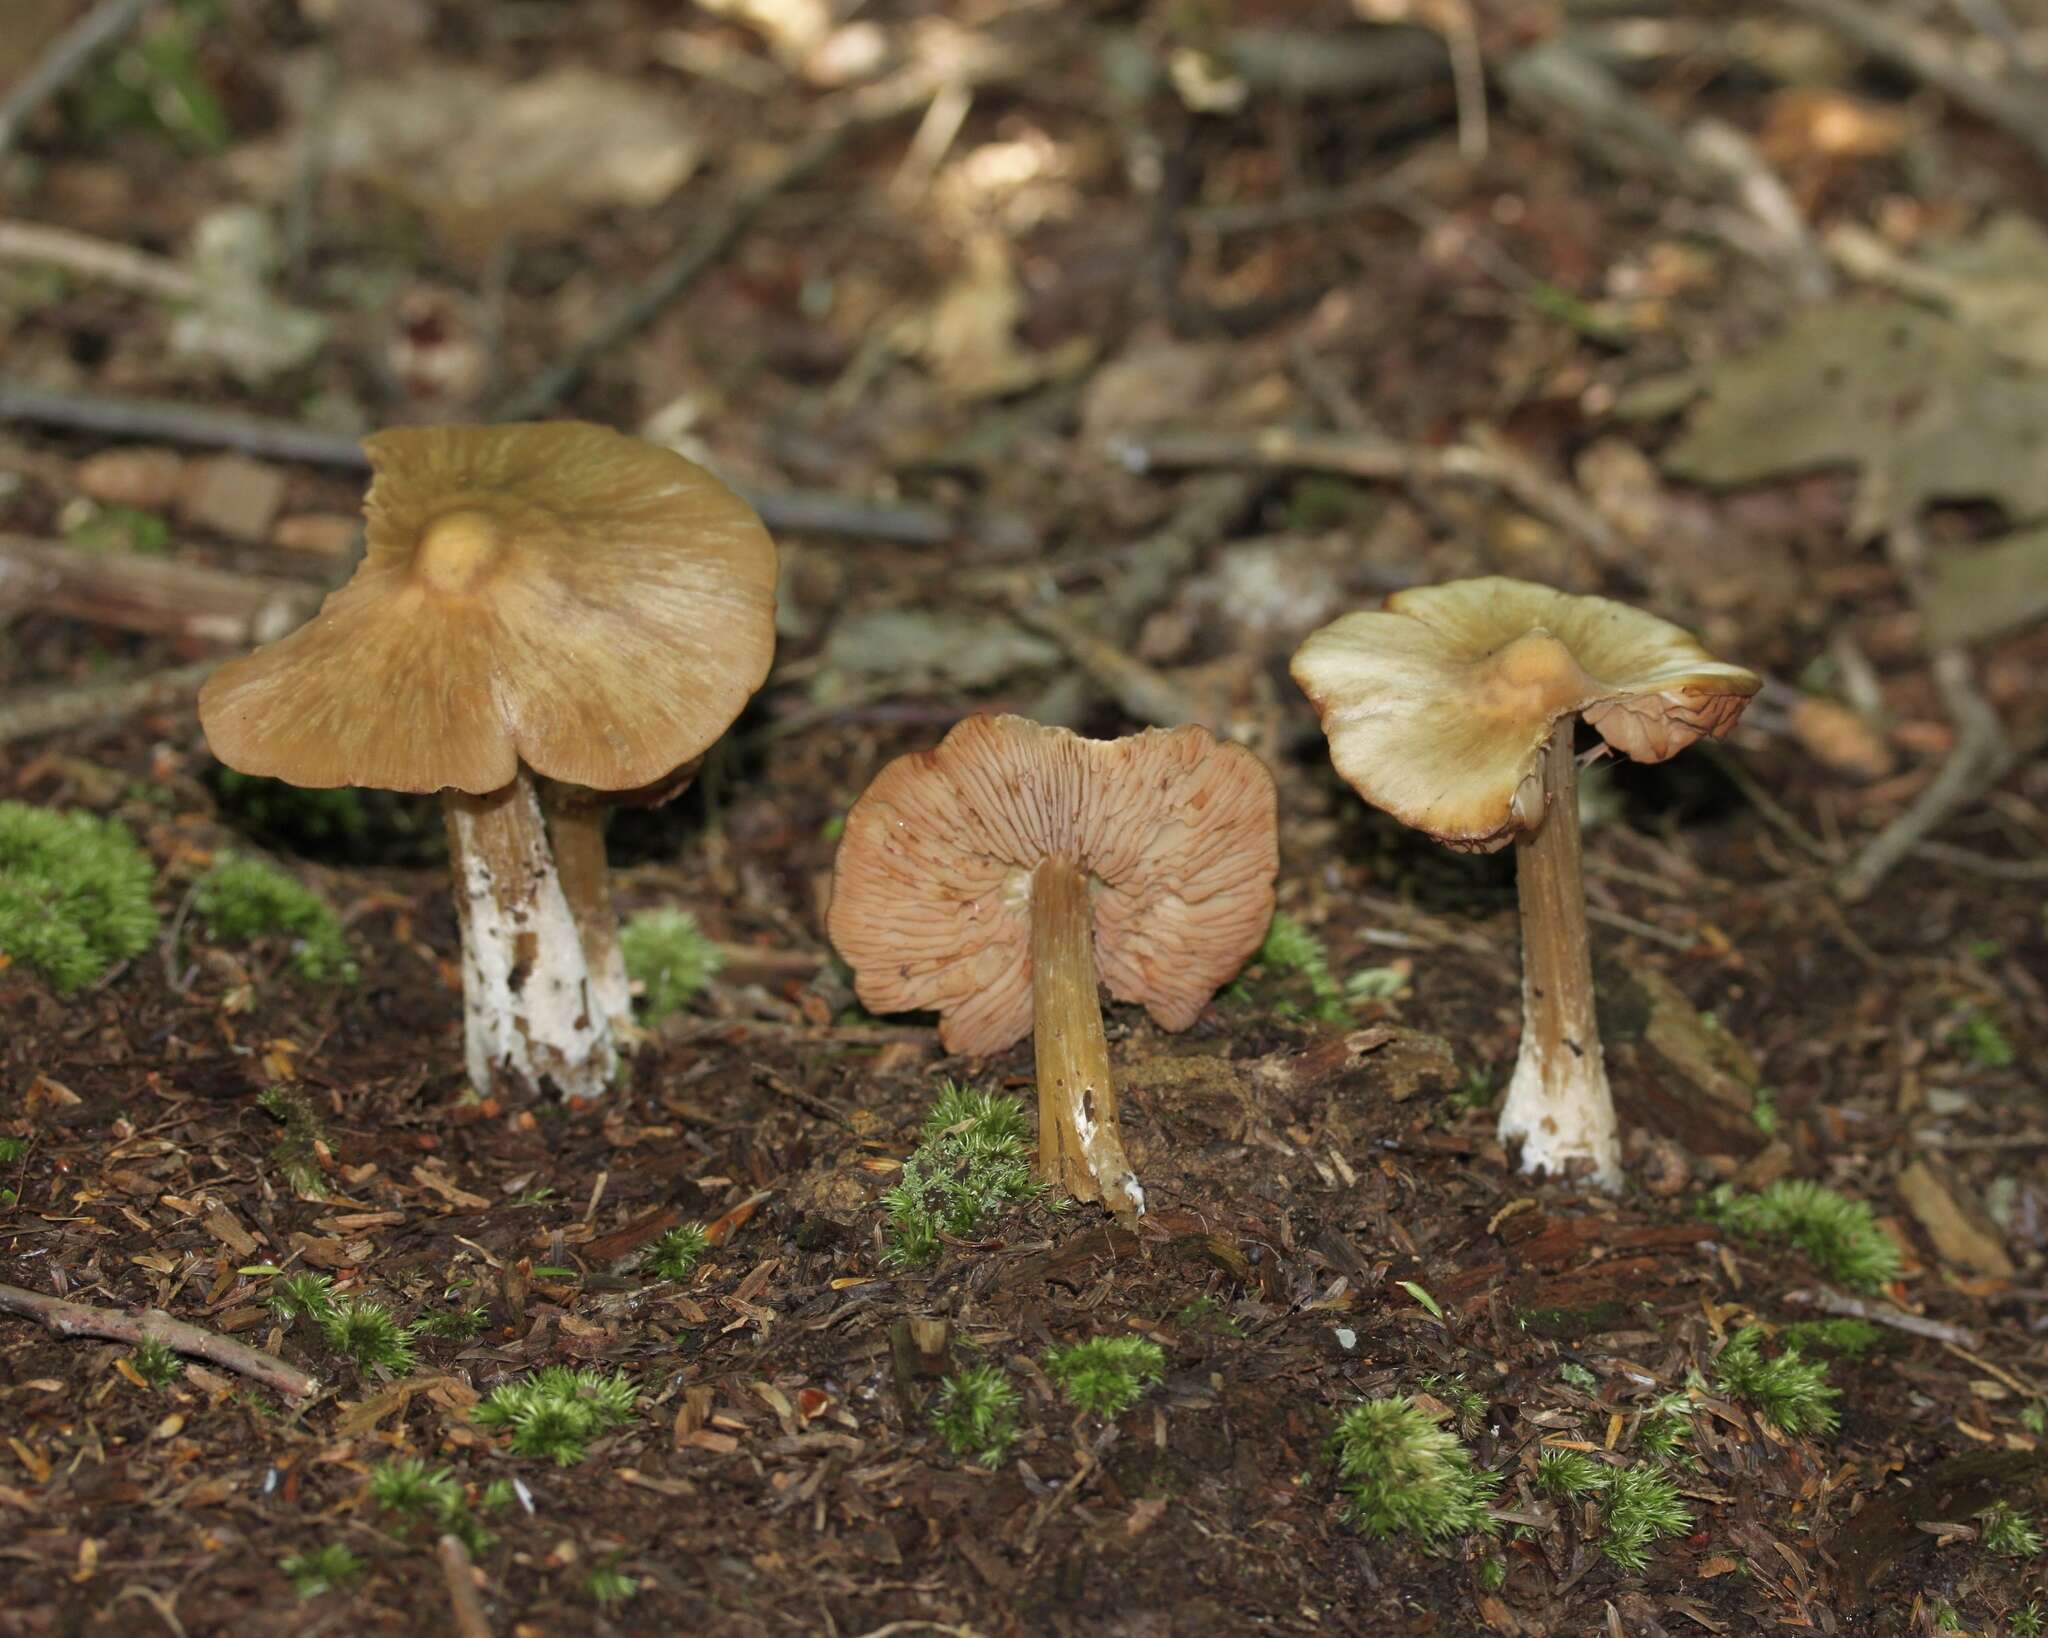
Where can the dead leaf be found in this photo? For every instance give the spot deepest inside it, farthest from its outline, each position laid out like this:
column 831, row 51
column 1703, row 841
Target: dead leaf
column 447, row 1189
column 1840, row 739
column 1954, row 1221
column 1984, row 592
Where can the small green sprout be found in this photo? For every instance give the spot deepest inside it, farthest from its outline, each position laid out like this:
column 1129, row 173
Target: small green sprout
column 1375, row 984
column 1841, row 1236
column 407, row 1486
column 975, row 1412
column 1982, row 1041
column 332, row 1568
column 367, row 1332
column 302, row 1296
column 2034, row 1417
column 1578, row 1376
column 11, row 1150
column 1292, row 948
column 458, row 1324
column 1474, row 1093
column 970, row 1162
column 498, row 1495
column 1642, row 1509
column 1666, row 1427
column 675, row 1255
column 1466, row 1404
column 1105, row 1375
column 1493, row 1572
column 1789, row 1392
column 2009, row 1533
column 1763, row 1111
column 669, row 958
column 1206, row 1314
column 607, row 1585
column 1564, row 1474
column 121, row 529
column 296, row 1153
column 241, row 900
column 1405, row 1475
column 156, row 1364
column 2028, row 1621
column 74, row 894
column 556, row 1413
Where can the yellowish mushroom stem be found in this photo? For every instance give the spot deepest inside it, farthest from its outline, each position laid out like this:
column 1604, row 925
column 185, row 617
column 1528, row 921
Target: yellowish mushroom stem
column 529, row 1012
column 1079, row 1146
column 576, row 822
column 1558, row 1105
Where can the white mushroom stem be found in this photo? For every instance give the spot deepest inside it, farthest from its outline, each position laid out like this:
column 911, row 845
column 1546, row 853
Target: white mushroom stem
column 1079, row 1147
column 576, row 826
column 1558, row 1104
column 528, row 1009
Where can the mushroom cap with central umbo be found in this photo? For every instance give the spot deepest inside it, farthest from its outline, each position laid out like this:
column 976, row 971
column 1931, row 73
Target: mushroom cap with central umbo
column 1437, row 707
column 931, row 891
column 557, row 594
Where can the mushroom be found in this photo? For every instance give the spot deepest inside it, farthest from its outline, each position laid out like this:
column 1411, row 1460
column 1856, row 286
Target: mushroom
column 994, row 878
column 1453, row 709
column 554, row 600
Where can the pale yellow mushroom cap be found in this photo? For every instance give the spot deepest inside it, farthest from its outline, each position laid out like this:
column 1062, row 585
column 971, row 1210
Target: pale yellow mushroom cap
column 556, row 594
column 1438, row 705
column 931, row 889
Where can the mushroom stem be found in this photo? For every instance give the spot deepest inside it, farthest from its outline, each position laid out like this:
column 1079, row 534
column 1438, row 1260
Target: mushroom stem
column 1079, row 1147
column 576, row 826
column 1558, row 1104
column 528, row 1011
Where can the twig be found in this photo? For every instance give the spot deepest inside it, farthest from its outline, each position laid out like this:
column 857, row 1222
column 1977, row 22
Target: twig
column 135, row 1326
column 2012, row 108
column 460, row 1575
column 1999, row 870
column 881, row 104
column 58, row 709
column 1142, row 692
column 1485, row 457
column 795, row 511
column 1882, row 1313
column 101, row 259
column 158, row 596
column 72, row 50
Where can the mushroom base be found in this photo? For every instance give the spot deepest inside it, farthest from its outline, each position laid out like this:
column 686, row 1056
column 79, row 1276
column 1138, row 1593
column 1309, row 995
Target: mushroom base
column 577, row 830
column 1558, row 1107
column 529, row 1011
column 1079, row 1146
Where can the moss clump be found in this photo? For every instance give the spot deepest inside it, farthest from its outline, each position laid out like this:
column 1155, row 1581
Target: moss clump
column 1642, row 1508
column 1790, row 1392
column 1105, row 1375
column 74, row 894
column 668, row 958
column 296, row 1154
column 1564, row 1474
column 241, row 900
column 976, row 1414
column 1841, row 1235
column 969, row 1163
column 331, row 1568
column 557, row 1412
column 674, row 1256
column 1402, row 1474
column 1291, row 948
column 2008, row 1533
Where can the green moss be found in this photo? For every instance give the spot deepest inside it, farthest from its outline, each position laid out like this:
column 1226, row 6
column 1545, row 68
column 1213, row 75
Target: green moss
column 668, row 958
column 607, row 1585
column 557, row 1412
column 1790, row 1392
column 1290, row 949
column 1841, row 1236
column 675, row 1254
column 121, row 529
column 156, row 1364
column 969, row 1164
column 365, row 1331
column 74, row 894
column 1642, row 1509
column 332, row 1568
column 241, row 900
column 1402, row 1474
column 1850, row 1338
column 2009, row 1533
column 296, row 1154
column 1564, row 1474
column 1105, row 1375
column 975, row 1412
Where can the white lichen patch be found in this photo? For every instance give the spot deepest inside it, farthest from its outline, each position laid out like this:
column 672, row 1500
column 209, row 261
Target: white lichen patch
column 1559, row 1108
column 528, row 1009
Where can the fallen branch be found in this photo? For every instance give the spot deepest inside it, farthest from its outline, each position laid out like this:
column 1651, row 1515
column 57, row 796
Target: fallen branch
column 100, row 259
column 794, row 511
column 57, row 710
column 1485, row 457
column 460, row 1576
column 137, row 1326
column 151, row 595
column 1843, row 1305
column 66, row 58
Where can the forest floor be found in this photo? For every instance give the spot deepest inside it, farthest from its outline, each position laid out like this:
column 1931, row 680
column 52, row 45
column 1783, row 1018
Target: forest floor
column 992, row 311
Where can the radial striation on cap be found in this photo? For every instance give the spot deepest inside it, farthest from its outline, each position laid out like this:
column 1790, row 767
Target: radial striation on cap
column 1437, row 706
column 931, row 890
column 557, row 594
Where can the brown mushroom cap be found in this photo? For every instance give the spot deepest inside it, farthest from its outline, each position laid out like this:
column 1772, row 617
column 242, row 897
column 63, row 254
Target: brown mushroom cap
column 1438, row 706
column 556, row 594
column 931, row 891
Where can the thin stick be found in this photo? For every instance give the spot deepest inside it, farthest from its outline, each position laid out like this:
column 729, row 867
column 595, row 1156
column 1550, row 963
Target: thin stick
column 72, row 50
column 135, row 1326
column 1881, row 1313
column 100, row 259
column 460, row 1575
column 56, row 710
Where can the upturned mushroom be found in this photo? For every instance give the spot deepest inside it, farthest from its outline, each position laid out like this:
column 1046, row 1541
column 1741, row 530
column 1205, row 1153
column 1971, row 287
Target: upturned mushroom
column 1453, row 709
column 553, row 600
column 995, row 878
